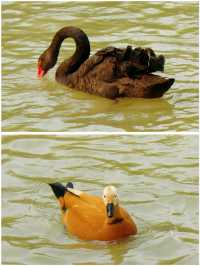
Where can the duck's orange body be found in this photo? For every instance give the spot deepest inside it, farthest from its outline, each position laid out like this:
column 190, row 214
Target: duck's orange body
column 85, row 216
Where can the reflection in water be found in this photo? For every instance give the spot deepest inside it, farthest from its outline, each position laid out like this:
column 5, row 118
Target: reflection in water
column 119, row 250
column 115, row 250
column 157, row 181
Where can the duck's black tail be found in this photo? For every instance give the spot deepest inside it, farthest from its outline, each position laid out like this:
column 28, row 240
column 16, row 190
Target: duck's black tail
column 59, row 190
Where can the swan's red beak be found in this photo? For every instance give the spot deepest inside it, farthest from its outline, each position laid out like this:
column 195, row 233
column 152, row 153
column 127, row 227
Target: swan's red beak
column 40, row 72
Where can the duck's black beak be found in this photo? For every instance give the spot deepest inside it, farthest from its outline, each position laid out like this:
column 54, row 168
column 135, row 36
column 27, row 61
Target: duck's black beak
column 110, row 210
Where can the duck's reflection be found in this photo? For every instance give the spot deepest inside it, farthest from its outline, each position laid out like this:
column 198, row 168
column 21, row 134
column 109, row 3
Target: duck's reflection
column 116, row 249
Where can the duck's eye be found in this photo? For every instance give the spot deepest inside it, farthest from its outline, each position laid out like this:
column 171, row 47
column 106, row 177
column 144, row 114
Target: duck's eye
column 104, row 196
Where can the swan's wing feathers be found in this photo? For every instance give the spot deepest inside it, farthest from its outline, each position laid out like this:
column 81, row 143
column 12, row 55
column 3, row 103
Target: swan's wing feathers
column 139, row 61
column 99, row 57
column 112, row 63
column 131, row 62
column 110, row 51
column 147, row 59
column 90, row 64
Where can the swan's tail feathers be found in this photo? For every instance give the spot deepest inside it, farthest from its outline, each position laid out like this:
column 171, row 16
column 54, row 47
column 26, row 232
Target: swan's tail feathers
column 145, row 86
column 159, row 89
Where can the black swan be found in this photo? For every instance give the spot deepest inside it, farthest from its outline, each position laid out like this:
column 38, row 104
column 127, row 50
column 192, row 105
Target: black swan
column 111, row 72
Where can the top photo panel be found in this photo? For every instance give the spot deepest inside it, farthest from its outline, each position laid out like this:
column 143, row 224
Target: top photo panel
column 100, row 66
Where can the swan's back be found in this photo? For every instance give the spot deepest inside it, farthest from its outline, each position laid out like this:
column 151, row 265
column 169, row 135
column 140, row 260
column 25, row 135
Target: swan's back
column 113, row 72
column 112, row 63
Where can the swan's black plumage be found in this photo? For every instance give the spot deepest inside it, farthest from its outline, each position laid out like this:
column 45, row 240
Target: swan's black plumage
column 111, row 72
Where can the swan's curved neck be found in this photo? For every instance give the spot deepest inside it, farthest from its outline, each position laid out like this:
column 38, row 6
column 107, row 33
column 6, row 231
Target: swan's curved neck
column 82, row 49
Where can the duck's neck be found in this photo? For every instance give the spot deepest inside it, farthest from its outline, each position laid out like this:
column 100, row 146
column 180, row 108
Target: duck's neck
column 82, row 51
column 117, row 217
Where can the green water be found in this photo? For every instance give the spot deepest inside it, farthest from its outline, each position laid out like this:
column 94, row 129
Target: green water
column 170, row 28
column 157, row 182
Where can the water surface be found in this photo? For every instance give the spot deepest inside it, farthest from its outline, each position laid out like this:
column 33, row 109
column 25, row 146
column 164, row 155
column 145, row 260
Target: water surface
column 170, row 28
column 157, row 181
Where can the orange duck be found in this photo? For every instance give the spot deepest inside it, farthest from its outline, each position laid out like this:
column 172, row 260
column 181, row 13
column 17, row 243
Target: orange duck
column 93, row 218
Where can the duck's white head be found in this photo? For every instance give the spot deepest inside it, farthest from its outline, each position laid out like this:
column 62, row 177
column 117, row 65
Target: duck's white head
column 111, row 200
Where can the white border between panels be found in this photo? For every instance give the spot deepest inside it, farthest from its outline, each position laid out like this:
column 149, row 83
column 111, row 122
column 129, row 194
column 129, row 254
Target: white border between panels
column 103, row 133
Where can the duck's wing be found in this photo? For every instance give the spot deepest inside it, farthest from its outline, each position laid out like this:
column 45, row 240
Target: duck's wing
column 128, row 220
column 85, row 214
column 82, row 197
column 125, row 214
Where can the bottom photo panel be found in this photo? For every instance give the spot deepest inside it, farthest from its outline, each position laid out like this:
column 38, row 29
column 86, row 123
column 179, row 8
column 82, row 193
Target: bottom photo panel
column 100, row 199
